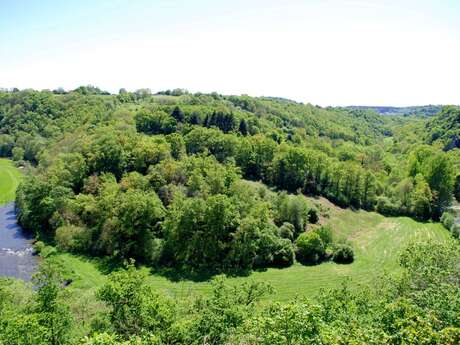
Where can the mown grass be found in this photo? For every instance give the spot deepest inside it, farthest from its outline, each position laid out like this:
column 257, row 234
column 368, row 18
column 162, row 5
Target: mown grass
column 377, row 242
column 10, row 176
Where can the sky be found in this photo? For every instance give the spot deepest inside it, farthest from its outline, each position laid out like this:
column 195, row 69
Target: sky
column 325, row 52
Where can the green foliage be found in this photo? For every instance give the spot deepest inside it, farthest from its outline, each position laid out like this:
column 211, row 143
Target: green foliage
column 18, row 154
column 287, row 230
column 444, row 127
column 293, row 209
column 448, row 220
column 131, row 224
column 386, row 206
column 72, row 238
column 325, row 233
column 134, row 307
column 257, row 243
column 222, row 120
column 10, row 177
column 6, row 145
column 38, row 317
column 155, row 122
column 178, row 114
column 293, row 323
column 343, row 254
column 198, row 230
column 421, row 198
column 225, row 311
column 310, row 248
column 457, row 188
column 54, row 316
column 455, row 229
column 434, row 174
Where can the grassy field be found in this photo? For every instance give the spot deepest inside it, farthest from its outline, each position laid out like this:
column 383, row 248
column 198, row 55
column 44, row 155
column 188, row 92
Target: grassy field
column 377, row 242
column 10, row 177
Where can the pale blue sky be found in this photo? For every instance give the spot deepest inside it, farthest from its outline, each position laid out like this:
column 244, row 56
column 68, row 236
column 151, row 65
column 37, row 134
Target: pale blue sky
column 328, row 52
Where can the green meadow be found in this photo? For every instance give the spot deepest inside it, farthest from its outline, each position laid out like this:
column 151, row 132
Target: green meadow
column 10, row 176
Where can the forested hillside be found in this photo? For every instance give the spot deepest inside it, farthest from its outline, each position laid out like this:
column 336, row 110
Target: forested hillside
column 219, row 184
column 444, row 128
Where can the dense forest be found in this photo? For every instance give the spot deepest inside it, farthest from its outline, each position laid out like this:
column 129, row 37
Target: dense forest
column 214, row 183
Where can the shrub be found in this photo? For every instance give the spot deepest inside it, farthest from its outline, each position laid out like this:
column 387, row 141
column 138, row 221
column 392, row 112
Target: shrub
column 455, row 229
column 448, row 220
column 325, row 232
column 284, row 254
column 72, row 238
column 343, row 254
column 387, row 207
column 310, row 248
column 287, row 230
column 313, row 215
column 18, row 153
column 38, row 246
column 293, row 209
column 47, row 251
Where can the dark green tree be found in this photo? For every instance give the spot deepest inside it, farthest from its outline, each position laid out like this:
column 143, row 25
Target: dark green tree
column 243, row 127
column 178, row 114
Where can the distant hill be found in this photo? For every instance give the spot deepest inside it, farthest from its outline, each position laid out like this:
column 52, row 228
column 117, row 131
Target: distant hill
column 421, row 111
column 445, row 127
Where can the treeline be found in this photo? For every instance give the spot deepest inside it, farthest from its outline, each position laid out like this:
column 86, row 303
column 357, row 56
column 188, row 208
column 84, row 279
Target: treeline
column 419, row 306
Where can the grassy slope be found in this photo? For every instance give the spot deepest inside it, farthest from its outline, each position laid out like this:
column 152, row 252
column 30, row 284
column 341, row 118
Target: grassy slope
column 377, row 241
column 9, row 180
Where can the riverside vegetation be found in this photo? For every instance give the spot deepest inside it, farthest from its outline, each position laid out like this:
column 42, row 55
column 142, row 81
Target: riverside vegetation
column 200, row 185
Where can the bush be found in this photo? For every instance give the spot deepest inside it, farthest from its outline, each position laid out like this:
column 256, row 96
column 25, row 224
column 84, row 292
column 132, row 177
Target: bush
column 313, row 215
column 387, row 207
column 293, row 209
column 287, row 230
column 310, row 248
column 39, row 246
column 325, row 232
column 48, row 251
column 343, row 254
column 72, row 238
column 448, row 220
column 18, row 153
column 455, row 229
column 284, row 255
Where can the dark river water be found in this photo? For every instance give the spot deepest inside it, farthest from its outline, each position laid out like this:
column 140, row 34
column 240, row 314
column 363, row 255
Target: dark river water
column 16, row 253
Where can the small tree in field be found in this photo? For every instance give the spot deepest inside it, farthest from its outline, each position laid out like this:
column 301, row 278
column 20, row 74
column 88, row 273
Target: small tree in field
column 310, row 248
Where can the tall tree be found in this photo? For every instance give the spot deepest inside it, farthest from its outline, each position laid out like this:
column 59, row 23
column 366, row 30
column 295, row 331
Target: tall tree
column 243, row 128
column 178, row 114
column 421, row 198
column 440, row 176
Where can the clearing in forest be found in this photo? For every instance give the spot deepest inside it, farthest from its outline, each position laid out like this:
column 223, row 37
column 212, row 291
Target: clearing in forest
column 10, row 176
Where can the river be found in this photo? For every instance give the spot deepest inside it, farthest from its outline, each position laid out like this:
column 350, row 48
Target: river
column 16, row 252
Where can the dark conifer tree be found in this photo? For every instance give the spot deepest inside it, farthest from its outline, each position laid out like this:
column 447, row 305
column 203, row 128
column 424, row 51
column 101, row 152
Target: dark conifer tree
column 178, row 114
column 194, row 118
column 243, row 127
